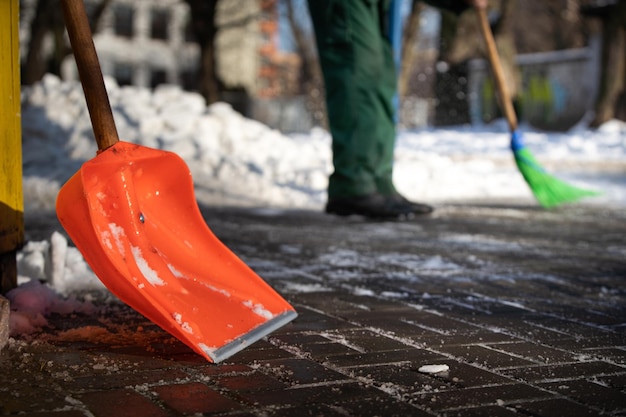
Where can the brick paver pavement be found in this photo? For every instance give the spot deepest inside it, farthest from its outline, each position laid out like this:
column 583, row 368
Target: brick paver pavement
column 526, row 307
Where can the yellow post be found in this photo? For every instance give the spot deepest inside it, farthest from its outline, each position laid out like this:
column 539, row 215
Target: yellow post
column 11, row 195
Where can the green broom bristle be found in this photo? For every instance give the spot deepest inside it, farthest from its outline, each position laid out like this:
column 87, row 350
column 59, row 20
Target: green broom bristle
column 548, row 190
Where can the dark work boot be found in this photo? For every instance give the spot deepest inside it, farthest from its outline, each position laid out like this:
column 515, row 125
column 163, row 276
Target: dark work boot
column 413, row 207
column 375, row 206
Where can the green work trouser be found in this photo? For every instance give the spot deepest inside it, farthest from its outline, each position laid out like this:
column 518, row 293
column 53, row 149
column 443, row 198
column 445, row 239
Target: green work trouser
column 360, row 81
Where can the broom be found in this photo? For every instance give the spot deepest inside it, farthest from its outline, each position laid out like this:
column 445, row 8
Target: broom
column 548, row 190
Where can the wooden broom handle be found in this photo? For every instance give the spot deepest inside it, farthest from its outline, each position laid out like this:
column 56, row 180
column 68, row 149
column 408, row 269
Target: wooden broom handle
column 496, row 67
column 102, row 121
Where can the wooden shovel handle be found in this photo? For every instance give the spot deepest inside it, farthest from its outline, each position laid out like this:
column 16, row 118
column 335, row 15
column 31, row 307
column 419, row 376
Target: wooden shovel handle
column 496, row 67
column 102, row 121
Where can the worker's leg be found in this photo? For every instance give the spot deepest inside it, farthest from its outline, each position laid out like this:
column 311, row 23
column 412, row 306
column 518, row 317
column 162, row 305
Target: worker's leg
column 360, row 81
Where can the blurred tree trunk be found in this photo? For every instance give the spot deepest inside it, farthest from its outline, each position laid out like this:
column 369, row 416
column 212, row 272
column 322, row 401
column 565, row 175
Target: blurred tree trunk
column 505, row 42
column 34, row 68
column 48, row 20
column 310, row 70
column 460, row 40
column 611, row 101
column 204, row 29
column 548, row 25
column 409, row 42
column 451, row 105
column 311, row 74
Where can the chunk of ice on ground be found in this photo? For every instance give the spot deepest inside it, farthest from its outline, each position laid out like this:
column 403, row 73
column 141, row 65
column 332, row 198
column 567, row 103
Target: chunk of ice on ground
column 433, row 369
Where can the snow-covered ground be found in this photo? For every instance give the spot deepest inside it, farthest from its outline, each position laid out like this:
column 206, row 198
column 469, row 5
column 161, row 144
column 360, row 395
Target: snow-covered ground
column 238, row 161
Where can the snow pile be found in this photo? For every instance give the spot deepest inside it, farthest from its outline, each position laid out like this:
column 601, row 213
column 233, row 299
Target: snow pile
column 55, row 262
column 33, row 300
column 50, row 274
column 233, row 160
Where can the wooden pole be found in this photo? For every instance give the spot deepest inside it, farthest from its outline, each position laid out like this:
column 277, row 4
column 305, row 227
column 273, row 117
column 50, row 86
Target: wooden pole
column 496, row 67
column 11, row 194
column 78, row 29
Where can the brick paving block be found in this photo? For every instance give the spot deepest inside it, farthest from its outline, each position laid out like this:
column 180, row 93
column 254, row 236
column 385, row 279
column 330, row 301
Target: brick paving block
column 369, row 340
column 29, row 396
column 417, row 324
column 398, row 312
column 343, row 304
column 485, row 357
column 195, row 398
column 60, row 323
column 310, row 394
column 442, row 324
column 463, row 375
column 256, row 381
column 66, row 358
column 164, row 346
column 309, row 320
column 555, row 407
column 547, row 373
column 344, row 341
column 592, row 340
column 397, row 328
column 409, row 356
column 121, row 380
column 224, row 369
column 484, row 411
column 187, row 359
column 579, row 328
column 482, row 336
column 65, row 413
column 298, row 339
column 401, row 379
column 586, row 335
column 106, row 361
column 608, row 354
column 120, row 403
column 523, row 330
column 475, row 307
column 619, row 328
column 584, row 317
column 148, row 361
column 588, row 392
column 303, row 410
column 535, row 352
column 381, row 305
column 273, row 397
column 613, row 381
column 302, row 371
column 380, row 406
column 264, row 343
column 480, row 396
column 252, row 355
column 322, row 351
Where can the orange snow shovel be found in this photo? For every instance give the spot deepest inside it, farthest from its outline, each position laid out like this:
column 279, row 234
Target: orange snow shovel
column 132, row 213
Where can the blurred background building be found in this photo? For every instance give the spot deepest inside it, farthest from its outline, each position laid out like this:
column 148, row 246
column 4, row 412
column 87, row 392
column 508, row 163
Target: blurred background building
column 259, row 56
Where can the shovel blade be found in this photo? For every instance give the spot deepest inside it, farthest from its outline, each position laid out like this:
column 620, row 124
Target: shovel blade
column 132, row 213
